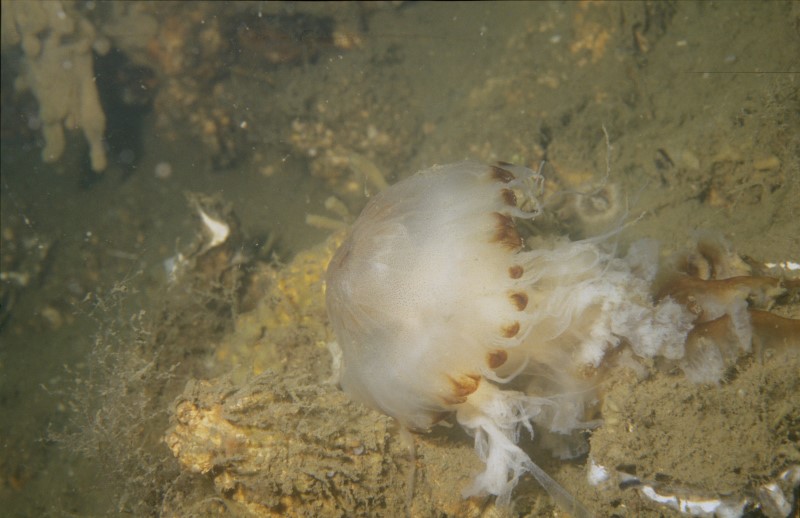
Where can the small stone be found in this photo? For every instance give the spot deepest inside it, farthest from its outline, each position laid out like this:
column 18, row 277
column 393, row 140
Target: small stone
column 769, row 163
column 689, row 160
column 52, row 316
column 163, row 170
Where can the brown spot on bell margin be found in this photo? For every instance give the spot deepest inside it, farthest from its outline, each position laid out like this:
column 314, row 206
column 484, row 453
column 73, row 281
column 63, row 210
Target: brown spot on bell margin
column 496, row 358
column 509, row 197
column 510, row 331
column 516, row 271
column 500, row 174
column 519, row 299
column 506, row 232
column 462, row 387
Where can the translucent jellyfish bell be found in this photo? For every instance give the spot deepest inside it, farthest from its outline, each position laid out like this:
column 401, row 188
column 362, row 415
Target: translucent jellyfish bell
column 436, row 305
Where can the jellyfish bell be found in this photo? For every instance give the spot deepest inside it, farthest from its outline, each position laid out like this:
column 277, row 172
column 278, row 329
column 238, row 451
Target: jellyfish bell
column 437, row 306
column 418, row 310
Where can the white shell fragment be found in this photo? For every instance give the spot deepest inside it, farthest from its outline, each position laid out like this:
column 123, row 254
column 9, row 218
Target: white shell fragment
column 217, row 230
column 771, row 498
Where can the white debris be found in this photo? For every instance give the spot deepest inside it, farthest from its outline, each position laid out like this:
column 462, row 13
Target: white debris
column 786, row 265
column 173, row 265
column 218, row 230
column 699, row 507
column 597, row 474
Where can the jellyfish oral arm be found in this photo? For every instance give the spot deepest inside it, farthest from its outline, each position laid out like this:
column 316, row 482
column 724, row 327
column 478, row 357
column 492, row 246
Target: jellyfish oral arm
column 494, row 418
